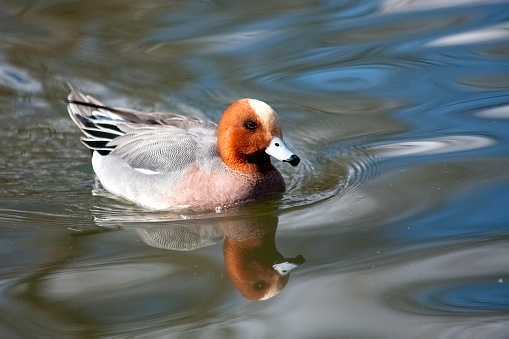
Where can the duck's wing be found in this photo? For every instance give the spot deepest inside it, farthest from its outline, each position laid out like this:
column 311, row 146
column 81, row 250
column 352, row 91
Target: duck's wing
column 155, row 142
column 164, row 148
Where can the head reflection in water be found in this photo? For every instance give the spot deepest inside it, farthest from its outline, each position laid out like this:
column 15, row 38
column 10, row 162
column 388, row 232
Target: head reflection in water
column 252, row 261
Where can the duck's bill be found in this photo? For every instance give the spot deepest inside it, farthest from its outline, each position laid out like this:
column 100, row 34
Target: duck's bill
column 288, row 265
column 281, row 152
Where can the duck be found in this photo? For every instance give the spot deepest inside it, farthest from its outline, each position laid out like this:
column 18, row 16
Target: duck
column 166, row 161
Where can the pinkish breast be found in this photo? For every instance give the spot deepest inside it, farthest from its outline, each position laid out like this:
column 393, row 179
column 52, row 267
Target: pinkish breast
column 203, row 189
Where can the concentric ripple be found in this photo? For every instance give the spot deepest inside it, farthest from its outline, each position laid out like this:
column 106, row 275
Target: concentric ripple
column 472, row 297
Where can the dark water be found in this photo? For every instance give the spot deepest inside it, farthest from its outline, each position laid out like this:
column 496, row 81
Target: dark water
column 400, row 207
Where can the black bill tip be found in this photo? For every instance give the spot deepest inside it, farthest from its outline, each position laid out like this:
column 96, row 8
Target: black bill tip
column 298, row 260
column 294, row 160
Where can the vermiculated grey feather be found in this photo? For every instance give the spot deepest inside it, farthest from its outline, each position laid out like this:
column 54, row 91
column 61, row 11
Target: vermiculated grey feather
column 159, row 142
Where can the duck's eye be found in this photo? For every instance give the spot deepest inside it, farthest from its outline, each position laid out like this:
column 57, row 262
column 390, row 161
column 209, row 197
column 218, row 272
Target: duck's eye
column 250, row 124
column 260, row 285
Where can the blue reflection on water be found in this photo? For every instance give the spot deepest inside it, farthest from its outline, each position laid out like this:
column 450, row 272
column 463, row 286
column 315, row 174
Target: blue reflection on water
column 18, row 79
column 474, row 297
column 352, row 78
column 481, row 212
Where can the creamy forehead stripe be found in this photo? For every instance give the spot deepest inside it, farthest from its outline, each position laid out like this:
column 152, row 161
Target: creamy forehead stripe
column 266, row 114
column 274, row 289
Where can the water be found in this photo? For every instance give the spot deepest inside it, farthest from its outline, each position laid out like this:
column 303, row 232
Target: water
column 398, row 109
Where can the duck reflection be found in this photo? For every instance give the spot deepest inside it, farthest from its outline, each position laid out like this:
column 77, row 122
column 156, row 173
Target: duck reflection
column 252, row 261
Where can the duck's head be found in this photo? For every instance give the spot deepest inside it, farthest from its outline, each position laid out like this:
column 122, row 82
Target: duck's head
column 248, row 133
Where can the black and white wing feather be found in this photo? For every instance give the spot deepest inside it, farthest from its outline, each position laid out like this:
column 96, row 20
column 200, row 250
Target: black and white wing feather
column 158, row 142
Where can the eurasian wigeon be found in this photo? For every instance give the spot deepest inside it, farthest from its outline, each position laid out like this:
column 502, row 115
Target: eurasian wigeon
column 168, row 161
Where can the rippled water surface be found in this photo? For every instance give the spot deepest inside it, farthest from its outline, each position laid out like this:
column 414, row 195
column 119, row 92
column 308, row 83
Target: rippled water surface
column 397, row 216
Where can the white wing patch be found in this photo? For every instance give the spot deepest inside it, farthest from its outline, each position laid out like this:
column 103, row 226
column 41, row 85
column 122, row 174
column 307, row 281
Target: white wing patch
column 146, row 171
column 104, row 114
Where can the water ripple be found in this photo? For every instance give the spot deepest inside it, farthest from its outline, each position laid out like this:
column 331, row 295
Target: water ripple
column 446, row 144
column 472, row 297
column 18, row 79
column 485, row 36
column 500, row 112
column 351, row 79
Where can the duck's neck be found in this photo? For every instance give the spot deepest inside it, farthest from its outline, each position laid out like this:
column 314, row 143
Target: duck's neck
column 249, row 164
